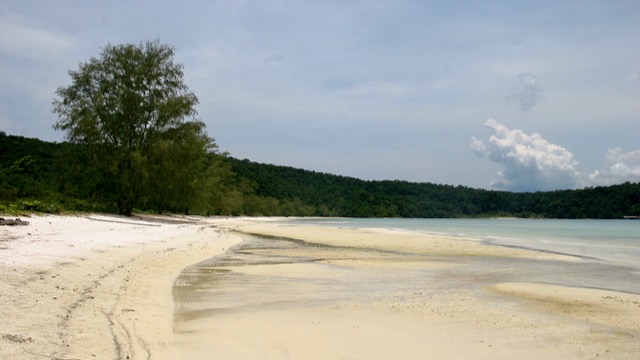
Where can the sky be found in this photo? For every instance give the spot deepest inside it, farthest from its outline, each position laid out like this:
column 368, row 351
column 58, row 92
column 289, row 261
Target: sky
column 504, row 95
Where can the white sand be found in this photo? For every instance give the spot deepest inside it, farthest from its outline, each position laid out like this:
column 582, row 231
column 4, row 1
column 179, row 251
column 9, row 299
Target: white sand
column 96, row 287
column 100, row 287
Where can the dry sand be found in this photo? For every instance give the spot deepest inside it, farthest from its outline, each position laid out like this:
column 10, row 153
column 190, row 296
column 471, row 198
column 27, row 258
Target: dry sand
column 100, row 287
column 95, row 287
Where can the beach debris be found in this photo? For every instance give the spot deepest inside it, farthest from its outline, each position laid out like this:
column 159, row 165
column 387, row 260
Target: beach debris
column 17, row 338
column 13, row 222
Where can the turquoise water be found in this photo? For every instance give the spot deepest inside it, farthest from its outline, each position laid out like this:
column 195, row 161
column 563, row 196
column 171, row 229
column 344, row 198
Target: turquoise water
column 608, row 251
column 615, row 241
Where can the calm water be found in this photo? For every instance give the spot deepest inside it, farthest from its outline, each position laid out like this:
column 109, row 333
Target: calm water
column 609, row 240
column 610, row 252
column 260, row 276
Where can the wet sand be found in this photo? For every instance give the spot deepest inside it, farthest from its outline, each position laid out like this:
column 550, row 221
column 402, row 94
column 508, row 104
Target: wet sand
column 104, row 287
column 301, row 292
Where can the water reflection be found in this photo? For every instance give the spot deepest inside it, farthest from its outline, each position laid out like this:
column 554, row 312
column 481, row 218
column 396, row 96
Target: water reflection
column 262, row 273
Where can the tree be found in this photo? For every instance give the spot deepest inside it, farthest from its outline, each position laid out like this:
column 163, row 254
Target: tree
column 178, row 156
column 129, row 106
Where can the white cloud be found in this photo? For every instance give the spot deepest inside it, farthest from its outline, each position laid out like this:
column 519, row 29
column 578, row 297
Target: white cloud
column 478, row 146
column 629, row 160
column 527, row 162
column 619, row 167
column 526, row 93
column 531, row 163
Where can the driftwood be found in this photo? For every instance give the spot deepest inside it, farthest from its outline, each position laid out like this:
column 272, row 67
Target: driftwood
column 13, row 222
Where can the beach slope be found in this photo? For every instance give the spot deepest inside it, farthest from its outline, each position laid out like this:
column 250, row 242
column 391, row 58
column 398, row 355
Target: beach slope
column 109, row 287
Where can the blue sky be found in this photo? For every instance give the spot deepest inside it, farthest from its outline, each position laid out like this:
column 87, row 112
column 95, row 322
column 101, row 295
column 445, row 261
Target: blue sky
column 526, row 95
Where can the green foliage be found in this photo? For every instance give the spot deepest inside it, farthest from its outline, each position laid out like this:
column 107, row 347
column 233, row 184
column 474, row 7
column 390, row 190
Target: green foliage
column 39, row 206
column 128, row 109
column 24, row 164
column 289, row 191
column 63, row 178
column 179, row 156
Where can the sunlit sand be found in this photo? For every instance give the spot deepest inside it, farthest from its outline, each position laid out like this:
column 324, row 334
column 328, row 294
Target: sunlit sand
column 177, row 288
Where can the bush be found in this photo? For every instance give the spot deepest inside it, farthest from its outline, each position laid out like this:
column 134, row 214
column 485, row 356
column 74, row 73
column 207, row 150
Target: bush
column 42, row 206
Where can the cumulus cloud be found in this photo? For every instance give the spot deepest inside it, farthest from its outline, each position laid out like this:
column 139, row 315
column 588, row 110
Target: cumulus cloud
column 527, row 162
column 526, row 93
column 624, row 164
column 619, row 167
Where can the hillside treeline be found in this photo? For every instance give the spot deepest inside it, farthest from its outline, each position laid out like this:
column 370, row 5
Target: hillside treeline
column 331, row 195
column 42, row 176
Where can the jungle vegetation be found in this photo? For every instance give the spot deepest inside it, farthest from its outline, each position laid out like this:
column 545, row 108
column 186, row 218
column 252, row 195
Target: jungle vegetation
column 53, row 177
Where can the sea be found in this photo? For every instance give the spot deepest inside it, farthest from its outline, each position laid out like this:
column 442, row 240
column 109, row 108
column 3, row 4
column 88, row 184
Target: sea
column 616, row 241
column 609, row 250
column 606, row 253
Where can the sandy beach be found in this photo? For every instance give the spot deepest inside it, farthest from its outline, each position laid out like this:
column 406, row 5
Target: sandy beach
column 108, row 287
column 96, row 287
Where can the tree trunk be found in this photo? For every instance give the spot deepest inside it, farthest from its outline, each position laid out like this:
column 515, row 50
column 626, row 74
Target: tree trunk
column 125, row 206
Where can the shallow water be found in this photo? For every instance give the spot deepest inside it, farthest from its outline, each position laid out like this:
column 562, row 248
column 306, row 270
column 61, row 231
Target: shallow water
column 277, row 298
column 293, row 273
column 611, row 240
column 298, row 274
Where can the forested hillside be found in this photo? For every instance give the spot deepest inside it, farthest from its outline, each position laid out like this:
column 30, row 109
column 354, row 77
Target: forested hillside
column 37, row 175
column 344, row 196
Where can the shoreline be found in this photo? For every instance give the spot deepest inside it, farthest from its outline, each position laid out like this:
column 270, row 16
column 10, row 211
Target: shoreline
column 96, row 286
column 434, row 296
